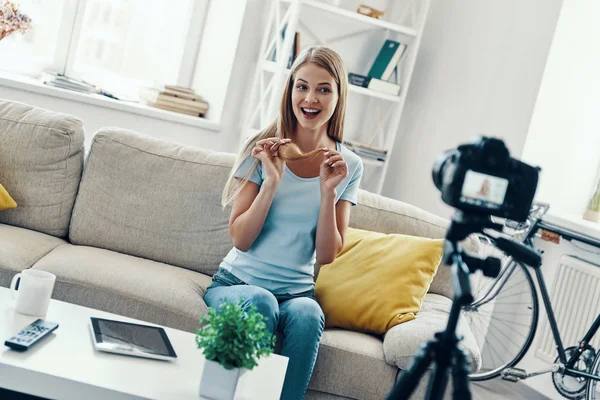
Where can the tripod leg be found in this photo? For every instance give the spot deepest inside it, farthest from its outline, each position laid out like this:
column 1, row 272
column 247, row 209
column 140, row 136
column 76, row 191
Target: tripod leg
column 460, row 375
column 410, row 378
column 437, row 382
column 439, row 375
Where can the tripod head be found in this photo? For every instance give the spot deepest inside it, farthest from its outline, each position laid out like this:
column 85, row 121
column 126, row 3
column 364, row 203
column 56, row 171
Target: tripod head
column 464, row 224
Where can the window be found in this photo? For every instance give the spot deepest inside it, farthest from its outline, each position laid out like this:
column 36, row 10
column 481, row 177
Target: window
column 118, row 45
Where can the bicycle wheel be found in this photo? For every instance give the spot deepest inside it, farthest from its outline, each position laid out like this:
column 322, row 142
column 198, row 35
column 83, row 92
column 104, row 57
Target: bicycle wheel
column 503, row 318
column 592, row 391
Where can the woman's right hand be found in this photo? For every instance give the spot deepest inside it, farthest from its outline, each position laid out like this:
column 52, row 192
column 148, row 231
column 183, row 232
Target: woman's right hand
column 266, row 151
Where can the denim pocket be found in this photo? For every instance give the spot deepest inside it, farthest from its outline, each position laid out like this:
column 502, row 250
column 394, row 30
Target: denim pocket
column 225, row 278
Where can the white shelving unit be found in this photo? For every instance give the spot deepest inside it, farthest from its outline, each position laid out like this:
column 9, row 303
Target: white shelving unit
column 372, row 117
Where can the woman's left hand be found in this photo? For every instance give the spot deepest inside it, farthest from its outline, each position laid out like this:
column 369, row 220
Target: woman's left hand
column 333, row 170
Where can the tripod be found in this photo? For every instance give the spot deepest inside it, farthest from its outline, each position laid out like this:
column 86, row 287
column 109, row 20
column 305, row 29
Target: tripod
column 443, row 350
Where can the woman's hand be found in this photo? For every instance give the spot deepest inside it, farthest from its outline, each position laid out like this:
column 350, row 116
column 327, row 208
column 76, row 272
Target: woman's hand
column 333, row 170
column 266, row 151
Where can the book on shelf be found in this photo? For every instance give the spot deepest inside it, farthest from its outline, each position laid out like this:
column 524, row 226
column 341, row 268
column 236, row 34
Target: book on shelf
column 189, row 103
column 387, row 61
column 366, row 151
column 295, row 48
column 373, row 83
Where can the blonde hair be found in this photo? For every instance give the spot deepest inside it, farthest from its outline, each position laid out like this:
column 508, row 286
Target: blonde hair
column 285, row 124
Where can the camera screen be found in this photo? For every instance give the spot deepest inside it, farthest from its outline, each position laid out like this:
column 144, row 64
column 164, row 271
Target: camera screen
column 483, row 190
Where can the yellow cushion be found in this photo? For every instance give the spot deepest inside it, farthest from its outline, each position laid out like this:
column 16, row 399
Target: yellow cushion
column 377, row 281
column 5, row 200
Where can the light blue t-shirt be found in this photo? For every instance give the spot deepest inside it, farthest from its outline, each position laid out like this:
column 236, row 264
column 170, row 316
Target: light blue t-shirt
column 283, row 256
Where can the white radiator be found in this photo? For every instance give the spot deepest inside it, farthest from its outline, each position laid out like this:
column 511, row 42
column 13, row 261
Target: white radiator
column 575, row 298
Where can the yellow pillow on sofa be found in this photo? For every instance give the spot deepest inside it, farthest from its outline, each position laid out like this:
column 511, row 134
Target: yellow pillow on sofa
column 5, row 200
column 377, row 281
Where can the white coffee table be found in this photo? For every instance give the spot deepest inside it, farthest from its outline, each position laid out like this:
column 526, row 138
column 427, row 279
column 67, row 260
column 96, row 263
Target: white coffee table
column 64, row 365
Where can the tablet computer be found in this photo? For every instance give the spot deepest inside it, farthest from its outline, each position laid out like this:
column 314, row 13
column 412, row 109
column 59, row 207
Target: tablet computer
column 131, row 339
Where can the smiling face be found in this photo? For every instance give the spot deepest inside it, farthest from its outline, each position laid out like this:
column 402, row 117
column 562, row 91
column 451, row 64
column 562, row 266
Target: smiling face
column 314, row 97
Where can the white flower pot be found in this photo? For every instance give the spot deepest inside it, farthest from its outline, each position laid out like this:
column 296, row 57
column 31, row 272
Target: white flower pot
column 218, row 383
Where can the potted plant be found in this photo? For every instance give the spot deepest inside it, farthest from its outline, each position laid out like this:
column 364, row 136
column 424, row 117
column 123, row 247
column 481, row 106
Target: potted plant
column 232, row 340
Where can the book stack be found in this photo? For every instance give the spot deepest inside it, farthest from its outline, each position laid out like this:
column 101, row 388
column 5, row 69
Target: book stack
column 366, row 151
column 383, row 75
column 175, row 98
column 374, row 83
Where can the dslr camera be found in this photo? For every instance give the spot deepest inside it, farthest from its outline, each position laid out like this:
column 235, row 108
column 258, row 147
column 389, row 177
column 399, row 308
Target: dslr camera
column 482, row 178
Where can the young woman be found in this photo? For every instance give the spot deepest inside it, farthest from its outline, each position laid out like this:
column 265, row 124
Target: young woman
column 291, row 191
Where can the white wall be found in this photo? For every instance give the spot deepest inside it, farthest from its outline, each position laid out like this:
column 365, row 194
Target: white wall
column 564, row 136
column 220, row 41
column 478, row 72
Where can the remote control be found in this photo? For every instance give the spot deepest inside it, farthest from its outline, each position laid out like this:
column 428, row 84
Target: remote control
column 31, row 335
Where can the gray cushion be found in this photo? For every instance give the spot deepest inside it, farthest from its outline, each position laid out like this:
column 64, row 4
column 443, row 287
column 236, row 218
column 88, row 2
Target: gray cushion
column 403, row 341
column 153, row 199
column 127, row 285
column 352, row 364
column 20, row 248
column 41, row 159
column 382, row 214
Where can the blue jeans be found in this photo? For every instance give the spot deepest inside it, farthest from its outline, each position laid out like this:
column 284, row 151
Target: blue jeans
column 298, row 317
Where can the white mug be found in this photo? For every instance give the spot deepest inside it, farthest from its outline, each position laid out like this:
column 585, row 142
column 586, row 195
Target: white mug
column 35, row 290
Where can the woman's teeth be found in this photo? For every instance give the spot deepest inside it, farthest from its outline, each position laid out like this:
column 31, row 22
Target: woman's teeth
column 310, row 111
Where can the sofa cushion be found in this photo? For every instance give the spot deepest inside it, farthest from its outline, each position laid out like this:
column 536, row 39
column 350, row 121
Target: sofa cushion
column 153, row 199
column 403, row 341
column 385, row 215
column 352, row 365
column 384, row 276
column 20, row 248
column 41, row 159
column 127, row 285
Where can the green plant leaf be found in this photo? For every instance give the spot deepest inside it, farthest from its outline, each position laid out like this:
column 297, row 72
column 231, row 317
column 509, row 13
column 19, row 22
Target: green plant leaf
column 234, row 337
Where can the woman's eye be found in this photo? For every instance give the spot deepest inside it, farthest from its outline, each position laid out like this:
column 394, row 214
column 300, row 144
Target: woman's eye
column 301, row 87
column 324, row 90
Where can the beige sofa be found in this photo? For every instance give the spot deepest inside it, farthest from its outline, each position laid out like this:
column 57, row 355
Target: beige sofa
column 139, row 231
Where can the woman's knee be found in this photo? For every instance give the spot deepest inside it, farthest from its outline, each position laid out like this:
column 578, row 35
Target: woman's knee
column 265, row 303
column 263, row 300
column 307, row 313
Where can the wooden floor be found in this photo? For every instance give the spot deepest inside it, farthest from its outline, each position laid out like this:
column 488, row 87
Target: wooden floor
column 498, row 389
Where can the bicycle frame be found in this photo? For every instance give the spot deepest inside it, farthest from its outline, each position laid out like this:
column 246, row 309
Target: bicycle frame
column 507, row 269
column 509, row 264
column 583, row 343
